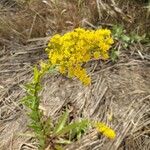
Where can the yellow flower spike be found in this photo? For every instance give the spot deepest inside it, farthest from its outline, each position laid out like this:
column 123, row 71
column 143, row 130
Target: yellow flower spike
column 105, row 130
column 74, row 48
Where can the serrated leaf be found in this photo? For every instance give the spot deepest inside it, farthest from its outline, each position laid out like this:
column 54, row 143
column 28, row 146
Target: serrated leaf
column 77, row 132
column 68, row 128
column 61, row 122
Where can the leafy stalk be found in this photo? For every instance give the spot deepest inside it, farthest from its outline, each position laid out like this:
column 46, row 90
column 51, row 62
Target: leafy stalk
column 32, row 101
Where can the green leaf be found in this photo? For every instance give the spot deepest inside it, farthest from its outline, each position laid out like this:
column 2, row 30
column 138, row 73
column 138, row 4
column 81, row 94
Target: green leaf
column 28, row 101
column 33, row 115
column 23, row 99
column 47, row 126
column 36, row 126
column 38, row 87
column 68, row 128
column 61, row 122
column 32, row 88
column 41, row 143
column 125, row 38
column 136, row 38
column 78, row 131
column 63, row 141
column 117, row 31
column 29, row 86
column 34, row 105
column 114, row 55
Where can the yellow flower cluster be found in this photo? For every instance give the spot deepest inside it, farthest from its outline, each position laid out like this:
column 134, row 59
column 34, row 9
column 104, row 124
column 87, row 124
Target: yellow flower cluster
column 71, row 50
column 105, row 130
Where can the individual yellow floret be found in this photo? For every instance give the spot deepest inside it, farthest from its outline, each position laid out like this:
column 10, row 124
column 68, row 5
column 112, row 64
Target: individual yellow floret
column 96, row 55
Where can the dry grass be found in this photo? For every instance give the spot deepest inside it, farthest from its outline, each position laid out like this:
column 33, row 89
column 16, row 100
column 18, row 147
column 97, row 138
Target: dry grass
column 119, row 90
column 37, row 18
column 40, row 18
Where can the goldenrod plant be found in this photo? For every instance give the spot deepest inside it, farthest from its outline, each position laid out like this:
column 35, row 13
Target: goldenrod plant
column 66, row 54
column 40, row 127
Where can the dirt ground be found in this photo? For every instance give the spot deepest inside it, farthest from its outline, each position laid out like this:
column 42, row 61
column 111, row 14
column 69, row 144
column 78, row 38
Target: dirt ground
column 120, row 91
